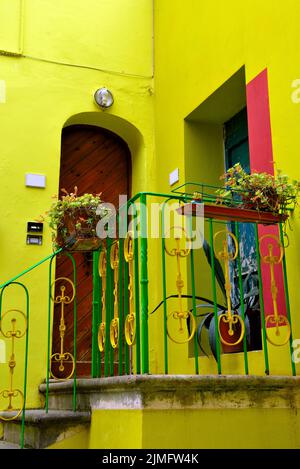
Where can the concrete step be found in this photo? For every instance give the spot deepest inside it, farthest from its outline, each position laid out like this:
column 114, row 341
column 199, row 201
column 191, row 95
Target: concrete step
column 170, row 391
column 43, row 429
column 6, row 445
column 61, row 394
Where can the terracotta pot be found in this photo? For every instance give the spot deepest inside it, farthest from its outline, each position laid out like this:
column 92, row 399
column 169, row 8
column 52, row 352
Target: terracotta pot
column 83, row 239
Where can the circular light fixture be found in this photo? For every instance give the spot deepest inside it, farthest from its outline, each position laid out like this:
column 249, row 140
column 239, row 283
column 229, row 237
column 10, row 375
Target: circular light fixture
column 104, row 98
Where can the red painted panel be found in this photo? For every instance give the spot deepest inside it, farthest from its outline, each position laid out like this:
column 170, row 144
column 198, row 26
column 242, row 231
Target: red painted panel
column 261, row 159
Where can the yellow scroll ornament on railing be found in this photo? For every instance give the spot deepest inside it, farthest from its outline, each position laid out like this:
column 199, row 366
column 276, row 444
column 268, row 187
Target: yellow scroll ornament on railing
column 130, row 327
column 228, row 318
column 274, row 319
column 114, row 324
column 13, row 333
column 102, row 273
column 180, row 315
column 63, row 357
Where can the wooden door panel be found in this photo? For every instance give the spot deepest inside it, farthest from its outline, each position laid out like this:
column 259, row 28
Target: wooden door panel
column 94, row 160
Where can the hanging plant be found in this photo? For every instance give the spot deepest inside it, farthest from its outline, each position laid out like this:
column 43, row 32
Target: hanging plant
column 259, row 191
column 74, row 218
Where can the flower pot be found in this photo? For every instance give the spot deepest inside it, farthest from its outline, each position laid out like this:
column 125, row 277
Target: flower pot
column 73, row 238
column 252, row 202
column 74, row 219
column 222, row 212
column 89, row 243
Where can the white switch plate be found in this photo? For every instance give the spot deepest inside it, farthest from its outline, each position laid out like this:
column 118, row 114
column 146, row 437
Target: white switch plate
column 174, row 176
column 35, row 180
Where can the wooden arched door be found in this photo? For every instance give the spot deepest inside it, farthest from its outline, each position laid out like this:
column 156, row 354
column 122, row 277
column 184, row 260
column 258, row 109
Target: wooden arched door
column 95, row 160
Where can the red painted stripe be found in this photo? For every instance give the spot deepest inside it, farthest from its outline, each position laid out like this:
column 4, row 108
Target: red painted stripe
column 261, row 159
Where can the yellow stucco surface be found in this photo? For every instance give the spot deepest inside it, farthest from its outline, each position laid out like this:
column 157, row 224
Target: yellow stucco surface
column 206, row 45
column 69, row 49
column 79, row 440
column 178, row 429
column 127, row 433
column 101, row 49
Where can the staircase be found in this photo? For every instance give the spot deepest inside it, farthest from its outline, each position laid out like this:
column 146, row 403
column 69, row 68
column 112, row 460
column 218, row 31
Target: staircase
column 44, row 429
column 126, row 409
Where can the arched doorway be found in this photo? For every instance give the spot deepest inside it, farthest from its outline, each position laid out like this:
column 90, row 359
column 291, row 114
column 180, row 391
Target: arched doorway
column 95, row 160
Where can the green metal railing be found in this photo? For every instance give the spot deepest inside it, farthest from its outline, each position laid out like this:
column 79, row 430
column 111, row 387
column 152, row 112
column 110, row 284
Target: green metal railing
column 62, row 356
column 8, row 309
column 135, row 358
column 17, row 331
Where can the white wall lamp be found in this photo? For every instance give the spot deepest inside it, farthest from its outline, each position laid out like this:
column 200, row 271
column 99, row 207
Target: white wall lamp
column 104, row 98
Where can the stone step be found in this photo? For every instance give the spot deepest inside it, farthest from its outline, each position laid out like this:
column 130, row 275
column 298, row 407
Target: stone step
column 61, row 394
column 6, row 445
column 171, row 391
column 43, row 429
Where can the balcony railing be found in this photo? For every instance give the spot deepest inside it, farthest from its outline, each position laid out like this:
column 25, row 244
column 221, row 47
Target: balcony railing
column 171, row 294
column 126, row 277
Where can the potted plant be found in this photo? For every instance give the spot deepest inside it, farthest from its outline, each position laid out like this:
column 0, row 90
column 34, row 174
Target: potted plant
column 262, row 192
column 74, row 218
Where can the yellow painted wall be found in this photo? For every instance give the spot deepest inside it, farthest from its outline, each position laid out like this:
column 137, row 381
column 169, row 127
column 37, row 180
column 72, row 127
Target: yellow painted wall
column 116, row 429
column 69, row 49
column 206, row 44
column 11, row 34
column 217, row 429
column 77, row 440
column 189, row 429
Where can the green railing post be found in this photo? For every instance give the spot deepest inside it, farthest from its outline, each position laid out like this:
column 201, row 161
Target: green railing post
column 126, row 310
column 241, row 298
column 144, row 285
column 190, row 227
column 107, row 309
column 164, row 280
column 25, row 367
column 95, row 315
column 49, row 334
column 121, row 308
column 70, row 256
column 108, row 350
column 214, row 290
column 137, row 301
column 287, row 301
column 262, row 304
column 123, row 277
column 50, row 299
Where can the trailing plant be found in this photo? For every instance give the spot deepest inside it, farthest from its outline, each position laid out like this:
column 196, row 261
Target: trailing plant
column 259, row 191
